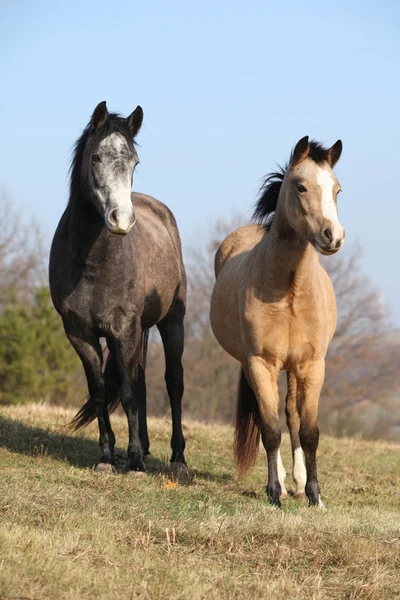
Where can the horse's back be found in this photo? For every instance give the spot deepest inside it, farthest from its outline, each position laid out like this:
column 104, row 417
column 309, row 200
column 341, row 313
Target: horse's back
column 240, row 241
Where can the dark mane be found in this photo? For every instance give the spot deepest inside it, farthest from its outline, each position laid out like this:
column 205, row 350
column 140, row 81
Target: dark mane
column 80, row 169
column 267, row 201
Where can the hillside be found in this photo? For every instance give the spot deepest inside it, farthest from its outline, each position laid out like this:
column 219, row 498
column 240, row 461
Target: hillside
column 67, row 532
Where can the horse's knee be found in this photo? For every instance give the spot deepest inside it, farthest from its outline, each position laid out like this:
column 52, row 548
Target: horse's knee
column 271, row 435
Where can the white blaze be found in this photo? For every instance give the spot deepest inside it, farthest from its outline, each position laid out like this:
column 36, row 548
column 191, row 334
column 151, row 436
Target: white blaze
column 119, row 183
column 328, row 205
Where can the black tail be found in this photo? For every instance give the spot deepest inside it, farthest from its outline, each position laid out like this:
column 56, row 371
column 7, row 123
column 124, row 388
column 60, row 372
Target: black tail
column 247, row 427
column 88, row 413
column 145, row 341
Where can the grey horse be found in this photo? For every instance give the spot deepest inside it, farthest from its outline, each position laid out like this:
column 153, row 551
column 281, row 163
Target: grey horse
column 116, row 270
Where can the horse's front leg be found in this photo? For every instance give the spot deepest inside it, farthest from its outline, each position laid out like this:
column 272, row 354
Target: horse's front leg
column 293, row 422
column 127, row 354
column 263, row 379
column 309, row 386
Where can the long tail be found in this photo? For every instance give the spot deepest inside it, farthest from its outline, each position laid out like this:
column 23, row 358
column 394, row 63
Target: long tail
column 247, row 427
column 88, row 413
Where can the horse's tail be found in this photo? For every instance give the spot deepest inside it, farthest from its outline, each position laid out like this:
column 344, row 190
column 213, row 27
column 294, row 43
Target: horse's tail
column 247, row 426
column 88, row 413
column 145, row 341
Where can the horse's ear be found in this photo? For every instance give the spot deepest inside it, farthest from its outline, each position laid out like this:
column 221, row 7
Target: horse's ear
column 300, row 151
column 135, row 120
column 99, row 116
column 334, row 153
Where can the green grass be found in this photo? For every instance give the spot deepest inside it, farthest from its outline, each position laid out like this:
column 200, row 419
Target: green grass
column 67, row 532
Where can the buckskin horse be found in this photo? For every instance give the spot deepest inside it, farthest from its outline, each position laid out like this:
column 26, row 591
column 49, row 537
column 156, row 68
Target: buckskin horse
column 273, row 308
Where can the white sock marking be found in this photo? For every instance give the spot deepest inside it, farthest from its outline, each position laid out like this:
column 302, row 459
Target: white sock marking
column 281, row 474
column 299, row 471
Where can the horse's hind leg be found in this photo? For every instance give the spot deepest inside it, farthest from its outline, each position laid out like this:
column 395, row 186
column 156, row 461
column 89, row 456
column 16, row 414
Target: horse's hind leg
column 172, row 335
column 293, row 423
column 90, row 353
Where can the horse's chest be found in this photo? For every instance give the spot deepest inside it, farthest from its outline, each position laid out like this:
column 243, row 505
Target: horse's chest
column 292, row 331
column 110, row 309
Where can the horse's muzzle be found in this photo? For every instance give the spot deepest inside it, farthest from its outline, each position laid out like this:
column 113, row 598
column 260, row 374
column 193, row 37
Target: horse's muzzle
column 118, row 222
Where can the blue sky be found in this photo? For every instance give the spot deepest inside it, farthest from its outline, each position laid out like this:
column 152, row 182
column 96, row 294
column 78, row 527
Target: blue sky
column 227, row 88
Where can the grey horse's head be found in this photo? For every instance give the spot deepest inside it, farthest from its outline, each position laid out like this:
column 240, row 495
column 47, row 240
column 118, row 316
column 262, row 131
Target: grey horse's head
column 108, row 165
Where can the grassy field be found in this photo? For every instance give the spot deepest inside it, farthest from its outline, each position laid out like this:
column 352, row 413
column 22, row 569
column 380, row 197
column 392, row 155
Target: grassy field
column 67, row 532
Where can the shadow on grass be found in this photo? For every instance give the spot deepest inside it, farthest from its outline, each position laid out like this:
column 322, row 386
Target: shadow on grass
column 82, row 452
column 76, row 450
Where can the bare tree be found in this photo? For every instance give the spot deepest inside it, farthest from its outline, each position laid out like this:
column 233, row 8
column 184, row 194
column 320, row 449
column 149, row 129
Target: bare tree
column 363, row 362
column 22, row 254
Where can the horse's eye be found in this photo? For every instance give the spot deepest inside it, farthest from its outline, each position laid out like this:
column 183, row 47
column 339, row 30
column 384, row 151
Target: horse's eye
column 96, row 158
column 301, row 188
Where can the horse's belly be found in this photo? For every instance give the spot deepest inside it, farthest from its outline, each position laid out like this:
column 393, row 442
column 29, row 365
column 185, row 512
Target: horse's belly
column 224, row 318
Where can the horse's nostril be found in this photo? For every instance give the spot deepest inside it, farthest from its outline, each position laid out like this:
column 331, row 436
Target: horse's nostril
column 328, row 234
column 112, row 216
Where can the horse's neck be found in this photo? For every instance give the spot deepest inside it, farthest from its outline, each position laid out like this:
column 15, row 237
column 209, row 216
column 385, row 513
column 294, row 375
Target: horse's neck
column 286, row 259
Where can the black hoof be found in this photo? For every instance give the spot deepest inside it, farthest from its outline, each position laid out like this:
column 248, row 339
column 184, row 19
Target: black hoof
column 178, row 458
column 313, row 494
column 274, row 494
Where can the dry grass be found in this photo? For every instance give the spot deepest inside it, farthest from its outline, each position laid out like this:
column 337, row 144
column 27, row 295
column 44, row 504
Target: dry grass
column 67, row 532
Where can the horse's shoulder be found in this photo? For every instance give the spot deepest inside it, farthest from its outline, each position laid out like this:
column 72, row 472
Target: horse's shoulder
column 330, row 298
column 156, row 214
column 239, row 241
column 149, row 206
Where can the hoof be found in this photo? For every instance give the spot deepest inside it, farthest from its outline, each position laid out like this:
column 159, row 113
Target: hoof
column 178, row 459
column 317, row 503
column 105, row 468
column 274, row 494
column 274, row 502
column 284, row 496
column 300, row 496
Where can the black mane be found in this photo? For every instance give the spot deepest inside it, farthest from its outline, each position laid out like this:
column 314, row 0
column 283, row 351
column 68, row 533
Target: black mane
column 267, row 201
column 80, row 169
